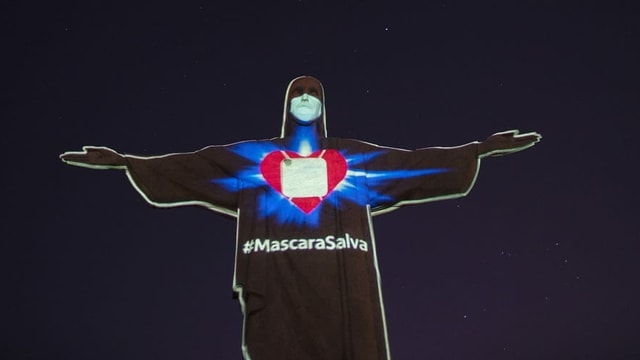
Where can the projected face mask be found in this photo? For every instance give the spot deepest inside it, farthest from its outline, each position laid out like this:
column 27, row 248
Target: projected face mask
column 306, row 108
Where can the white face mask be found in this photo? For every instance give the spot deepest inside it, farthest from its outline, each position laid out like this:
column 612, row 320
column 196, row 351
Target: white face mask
column 306, row 107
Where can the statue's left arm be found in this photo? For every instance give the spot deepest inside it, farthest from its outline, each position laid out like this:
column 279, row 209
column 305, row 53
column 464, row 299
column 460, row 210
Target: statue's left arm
column 397, row 177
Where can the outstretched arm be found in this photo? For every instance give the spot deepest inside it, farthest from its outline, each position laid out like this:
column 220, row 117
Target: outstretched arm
column 95, row 157
column 396, row 177
column 507, row 142
column 173, row 179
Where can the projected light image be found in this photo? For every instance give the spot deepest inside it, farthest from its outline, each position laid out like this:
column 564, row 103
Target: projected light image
column 338, row 176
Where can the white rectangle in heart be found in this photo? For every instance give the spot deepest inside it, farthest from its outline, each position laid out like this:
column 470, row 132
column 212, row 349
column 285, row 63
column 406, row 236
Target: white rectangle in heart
column 304, row 177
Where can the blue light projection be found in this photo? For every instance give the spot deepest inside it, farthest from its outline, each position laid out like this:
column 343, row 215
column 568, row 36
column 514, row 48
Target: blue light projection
column 272, row 203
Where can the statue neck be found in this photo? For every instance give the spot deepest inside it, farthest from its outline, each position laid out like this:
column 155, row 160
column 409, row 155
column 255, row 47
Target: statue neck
column 304, row 139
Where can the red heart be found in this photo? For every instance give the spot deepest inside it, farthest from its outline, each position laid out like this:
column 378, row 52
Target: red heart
column 336, row 171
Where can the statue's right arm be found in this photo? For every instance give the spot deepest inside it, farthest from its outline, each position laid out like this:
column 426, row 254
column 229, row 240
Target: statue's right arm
column 95, row 157
column 205, row 177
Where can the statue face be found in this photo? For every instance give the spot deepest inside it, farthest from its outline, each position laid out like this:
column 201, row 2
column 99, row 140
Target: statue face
column 306, row 108
column 306, row 99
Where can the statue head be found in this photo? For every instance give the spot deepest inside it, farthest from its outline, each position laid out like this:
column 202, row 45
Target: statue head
column 304, row 105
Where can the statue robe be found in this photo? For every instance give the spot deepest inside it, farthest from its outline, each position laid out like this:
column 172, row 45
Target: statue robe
column 306, row 273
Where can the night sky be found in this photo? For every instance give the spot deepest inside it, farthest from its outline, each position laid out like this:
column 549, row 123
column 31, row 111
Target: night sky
column 539, row 261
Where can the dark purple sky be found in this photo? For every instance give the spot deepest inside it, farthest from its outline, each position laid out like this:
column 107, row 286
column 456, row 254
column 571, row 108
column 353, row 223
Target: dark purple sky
column 540, row 261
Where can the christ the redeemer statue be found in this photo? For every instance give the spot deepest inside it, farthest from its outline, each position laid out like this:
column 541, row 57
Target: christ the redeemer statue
column 306, row 273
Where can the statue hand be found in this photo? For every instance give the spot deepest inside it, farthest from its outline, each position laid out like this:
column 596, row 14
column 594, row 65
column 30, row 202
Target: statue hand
column 507, row 142
column 94, row 157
